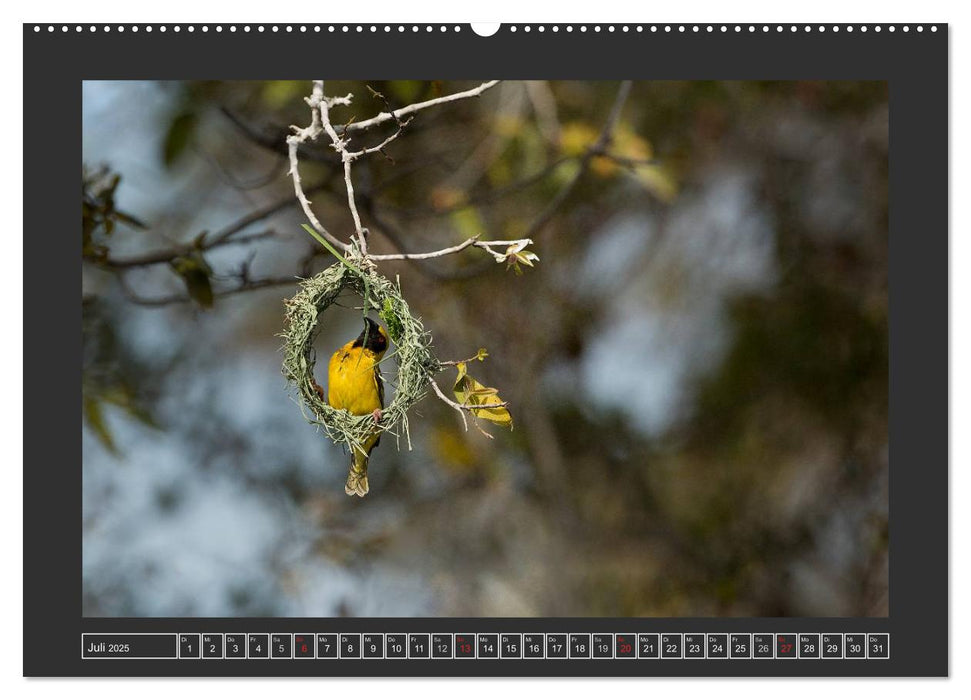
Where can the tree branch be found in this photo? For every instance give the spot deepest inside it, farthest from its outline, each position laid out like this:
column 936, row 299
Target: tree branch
column 294, row 141
column 274, row 139
column 347, row 157
column 320, row 123
column 296, row 144
column 320, row 106
column 249, row 286
column 225, row 236
column 427, row 256
column 169, row 254
column 418, row 106
column 473, row 242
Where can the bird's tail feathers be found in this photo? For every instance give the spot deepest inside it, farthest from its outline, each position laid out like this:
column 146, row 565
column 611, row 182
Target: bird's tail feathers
column 357, row 484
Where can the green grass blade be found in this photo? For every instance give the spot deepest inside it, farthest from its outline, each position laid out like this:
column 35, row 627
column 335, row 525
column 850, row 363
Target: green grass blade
column 323, row 241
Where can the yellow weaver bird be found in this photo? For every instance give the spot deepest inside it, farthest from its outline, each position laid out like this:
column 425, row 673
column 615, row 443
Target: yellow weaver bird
column 354, row 384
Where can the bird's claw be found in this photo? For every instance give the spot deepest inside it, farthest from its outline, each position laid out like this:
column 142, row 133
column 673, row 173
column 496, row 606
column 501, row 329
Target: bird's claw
column 376, row 415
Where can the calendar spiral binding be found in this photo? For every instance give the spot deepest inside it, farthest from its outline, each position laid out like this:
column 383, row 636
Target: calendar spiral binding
column 423, row 30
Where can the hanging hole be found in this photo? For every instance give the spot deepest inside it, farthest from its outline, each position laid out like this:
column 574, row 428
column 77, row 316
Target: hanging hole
column 485, row 28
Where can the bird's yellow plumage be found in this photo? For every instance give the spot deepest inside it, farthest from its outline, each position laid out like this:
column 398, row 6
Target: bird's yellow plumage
column 354, row 384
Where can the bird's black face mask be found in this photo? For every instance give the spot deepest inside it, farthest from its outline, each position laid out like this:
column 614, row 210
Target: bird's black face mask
column 372, row 338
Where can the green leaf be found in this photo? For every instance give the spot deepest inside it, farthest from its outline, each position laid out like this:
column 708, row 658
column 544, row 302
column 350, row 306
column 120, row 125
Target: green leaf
column 96, row 421
column 123, row 396
column 195, row 272
column 391, row 321
column 178, row 137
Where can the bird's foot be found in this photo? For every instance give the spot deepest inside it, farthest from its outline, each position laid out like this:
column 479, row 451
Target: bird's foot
column 376, row 415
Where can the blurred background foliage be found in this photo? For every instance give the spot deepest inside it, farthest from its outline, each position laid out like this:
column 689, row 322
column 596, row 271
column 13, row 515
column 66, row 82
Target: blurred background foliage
column 696, row 366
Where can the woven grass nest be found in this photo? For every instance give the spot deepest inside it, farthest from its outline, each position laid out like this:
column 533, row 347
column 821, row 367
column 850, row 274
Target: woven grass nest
column 412, row 350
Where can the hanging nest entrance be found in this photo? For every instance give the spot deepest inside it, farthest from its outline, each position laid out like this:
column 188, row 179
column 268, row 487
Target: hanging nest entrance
column 412, row 351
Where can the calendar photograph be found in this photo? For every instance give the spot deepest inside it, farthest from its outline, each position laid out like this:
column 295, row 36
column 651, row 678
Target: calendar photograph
column 485, row 348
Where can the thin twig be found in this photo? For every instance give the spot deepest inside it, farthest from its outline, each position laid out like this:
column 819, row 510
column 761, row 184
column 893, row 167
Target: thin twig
column 352, row 205
column 275, row 139
column 451, row 363
column 427, row 256
column 543, row 102
column 599, row 147
column 224, row 174
column 261, row 214
column 457, row 406
column 395, row 236
column 348, row 157
column 606, row 134
column 249, row 286
column 169, row 254
column 225, row 236
column 486, row 197
column 629, row 163
column 418, row 106
column 472, row 242
column 340, row 145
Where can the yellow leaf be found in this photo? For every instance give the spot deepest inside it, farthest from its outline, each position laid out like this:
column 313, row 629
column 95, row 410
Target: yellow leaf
column 657, row 180
column 576, row 138
column 525, row 257
column 627, row 143
column 470, row 392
